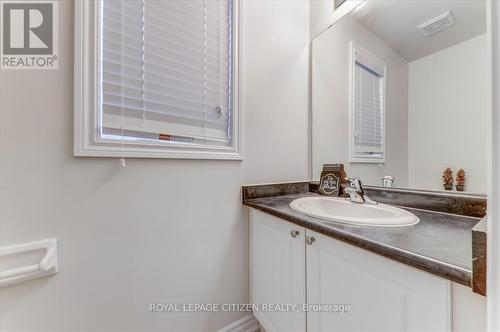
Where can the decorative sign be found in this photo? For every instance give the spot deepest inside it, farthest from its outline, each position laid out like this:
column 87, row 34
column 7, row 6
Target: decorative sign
column 329, row 184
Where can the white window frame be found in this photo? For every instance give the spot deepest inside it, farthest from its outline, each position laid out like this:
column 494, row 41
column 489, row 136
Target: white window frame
column 355, row 48
column 87, row 142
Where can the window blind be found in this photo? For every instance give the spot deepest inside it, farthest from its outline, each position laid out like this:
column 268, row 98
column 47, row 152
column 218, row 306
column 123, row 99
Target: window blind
column 368, row 112
column 166, row 70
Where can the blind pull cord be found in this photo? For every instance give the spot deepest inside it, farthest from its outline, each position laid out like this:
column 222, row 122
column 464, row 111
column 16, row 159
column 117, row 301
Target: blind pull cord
column 122, row 159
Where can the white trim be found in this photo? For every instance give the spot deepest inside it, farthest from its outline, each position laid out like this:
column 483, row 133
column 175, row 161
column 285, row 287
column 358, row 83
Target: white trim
column 246, row 324
column 493, row 254
column 310, row 112
column 382, row 67
column 86, row 142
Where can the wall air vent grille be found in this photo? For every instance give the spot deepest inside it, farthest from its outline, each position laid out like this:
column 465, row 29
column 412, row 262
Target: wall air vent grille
column 437, row 24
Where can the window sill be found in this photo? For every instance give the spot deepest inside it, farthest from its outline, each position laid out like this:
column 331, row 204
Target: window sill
column 367, row 161
column 97, row 150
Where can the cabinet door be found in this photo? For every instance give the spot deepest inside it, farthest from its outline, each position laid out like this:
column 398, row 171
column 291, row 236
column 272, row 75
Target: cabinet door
column 383, row 295
column 277, row 271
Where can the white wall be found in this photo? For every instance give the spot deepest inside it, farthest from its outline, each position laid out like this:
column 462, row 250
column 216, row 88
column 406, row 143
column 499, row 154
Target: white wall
column 330, row 103
column 170, row 231
column 448, row 116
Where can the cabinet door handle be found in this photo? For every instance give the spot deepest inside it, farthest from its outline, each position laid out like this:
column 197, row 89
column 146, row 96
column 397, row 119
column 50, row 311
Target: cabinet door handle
column 294, row 233
column 310, row 240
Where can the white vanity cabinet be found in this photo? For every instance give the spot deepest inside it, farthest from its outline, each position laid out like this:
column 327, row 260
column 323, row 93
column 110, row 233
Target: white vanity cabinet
column 313, row 269
column 383, row 295
column 277, row 270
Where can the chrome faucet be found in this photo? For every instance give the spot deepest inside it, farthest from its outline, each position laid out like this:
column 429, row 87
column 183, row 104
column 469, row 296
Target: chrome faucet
column 356, row 192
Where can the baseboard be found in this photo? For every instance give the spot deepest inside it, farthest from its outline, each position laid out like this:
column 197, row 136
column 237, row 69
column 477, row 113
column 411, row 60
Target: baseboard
column 246, row 324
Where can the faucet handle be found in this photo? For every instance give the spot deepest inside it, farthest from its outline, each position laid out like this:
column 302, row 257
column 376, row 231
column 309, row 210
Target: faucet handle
column 355, row 183
column 356, row 192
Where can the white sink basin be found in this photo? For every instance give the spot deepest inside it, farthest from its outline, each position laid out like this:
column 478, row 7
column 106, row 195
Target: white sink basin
column 340, row 210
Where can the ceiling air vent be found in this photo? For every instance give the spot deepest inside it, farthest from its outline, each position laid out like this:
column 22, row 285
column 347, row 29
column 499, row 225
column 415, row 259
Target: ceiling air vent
column 437, row 24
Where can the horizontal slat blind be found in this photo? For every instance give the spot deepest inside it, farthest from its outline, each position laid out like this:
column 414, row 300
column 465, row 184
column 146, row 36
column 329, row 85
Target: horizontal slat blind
column 368, row 112
column 166, row 70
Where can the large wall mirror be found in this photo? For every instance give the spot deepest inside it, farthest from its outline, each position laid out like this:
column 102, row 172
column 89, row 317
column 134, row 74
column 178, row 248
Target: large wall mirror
column 400, row 89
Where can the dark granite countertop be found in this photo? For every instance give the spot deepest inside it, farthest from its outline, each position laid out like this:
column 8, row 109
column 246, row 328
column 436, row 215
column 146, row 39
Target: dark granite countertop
column 440, row 243
column 479, row 257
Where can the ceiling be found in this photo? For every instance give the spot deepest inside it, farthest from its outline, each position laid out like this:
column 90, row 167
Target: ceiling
column 396, row 21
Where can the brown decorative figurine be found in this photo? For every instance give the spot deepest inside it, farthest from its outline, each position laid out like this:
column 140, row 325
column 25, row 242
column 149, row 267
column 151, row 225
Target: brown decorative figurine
column 460, row 180
column 448, row 179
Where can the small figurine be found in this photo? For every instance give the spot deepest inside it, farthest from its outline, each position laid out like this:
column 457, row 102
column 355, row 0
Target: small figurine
column 460, row 180
column 448, row 179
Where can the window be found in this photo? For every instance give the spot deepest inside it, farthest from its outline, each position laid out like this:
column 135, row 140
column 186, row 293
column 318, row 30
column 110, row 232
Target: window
column 367, row 129
column 157, row 79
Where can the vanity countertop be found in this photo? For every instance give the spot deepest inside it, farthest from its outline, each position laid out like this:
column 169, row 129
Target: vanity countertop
column 440, row 243
column 479, row 245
